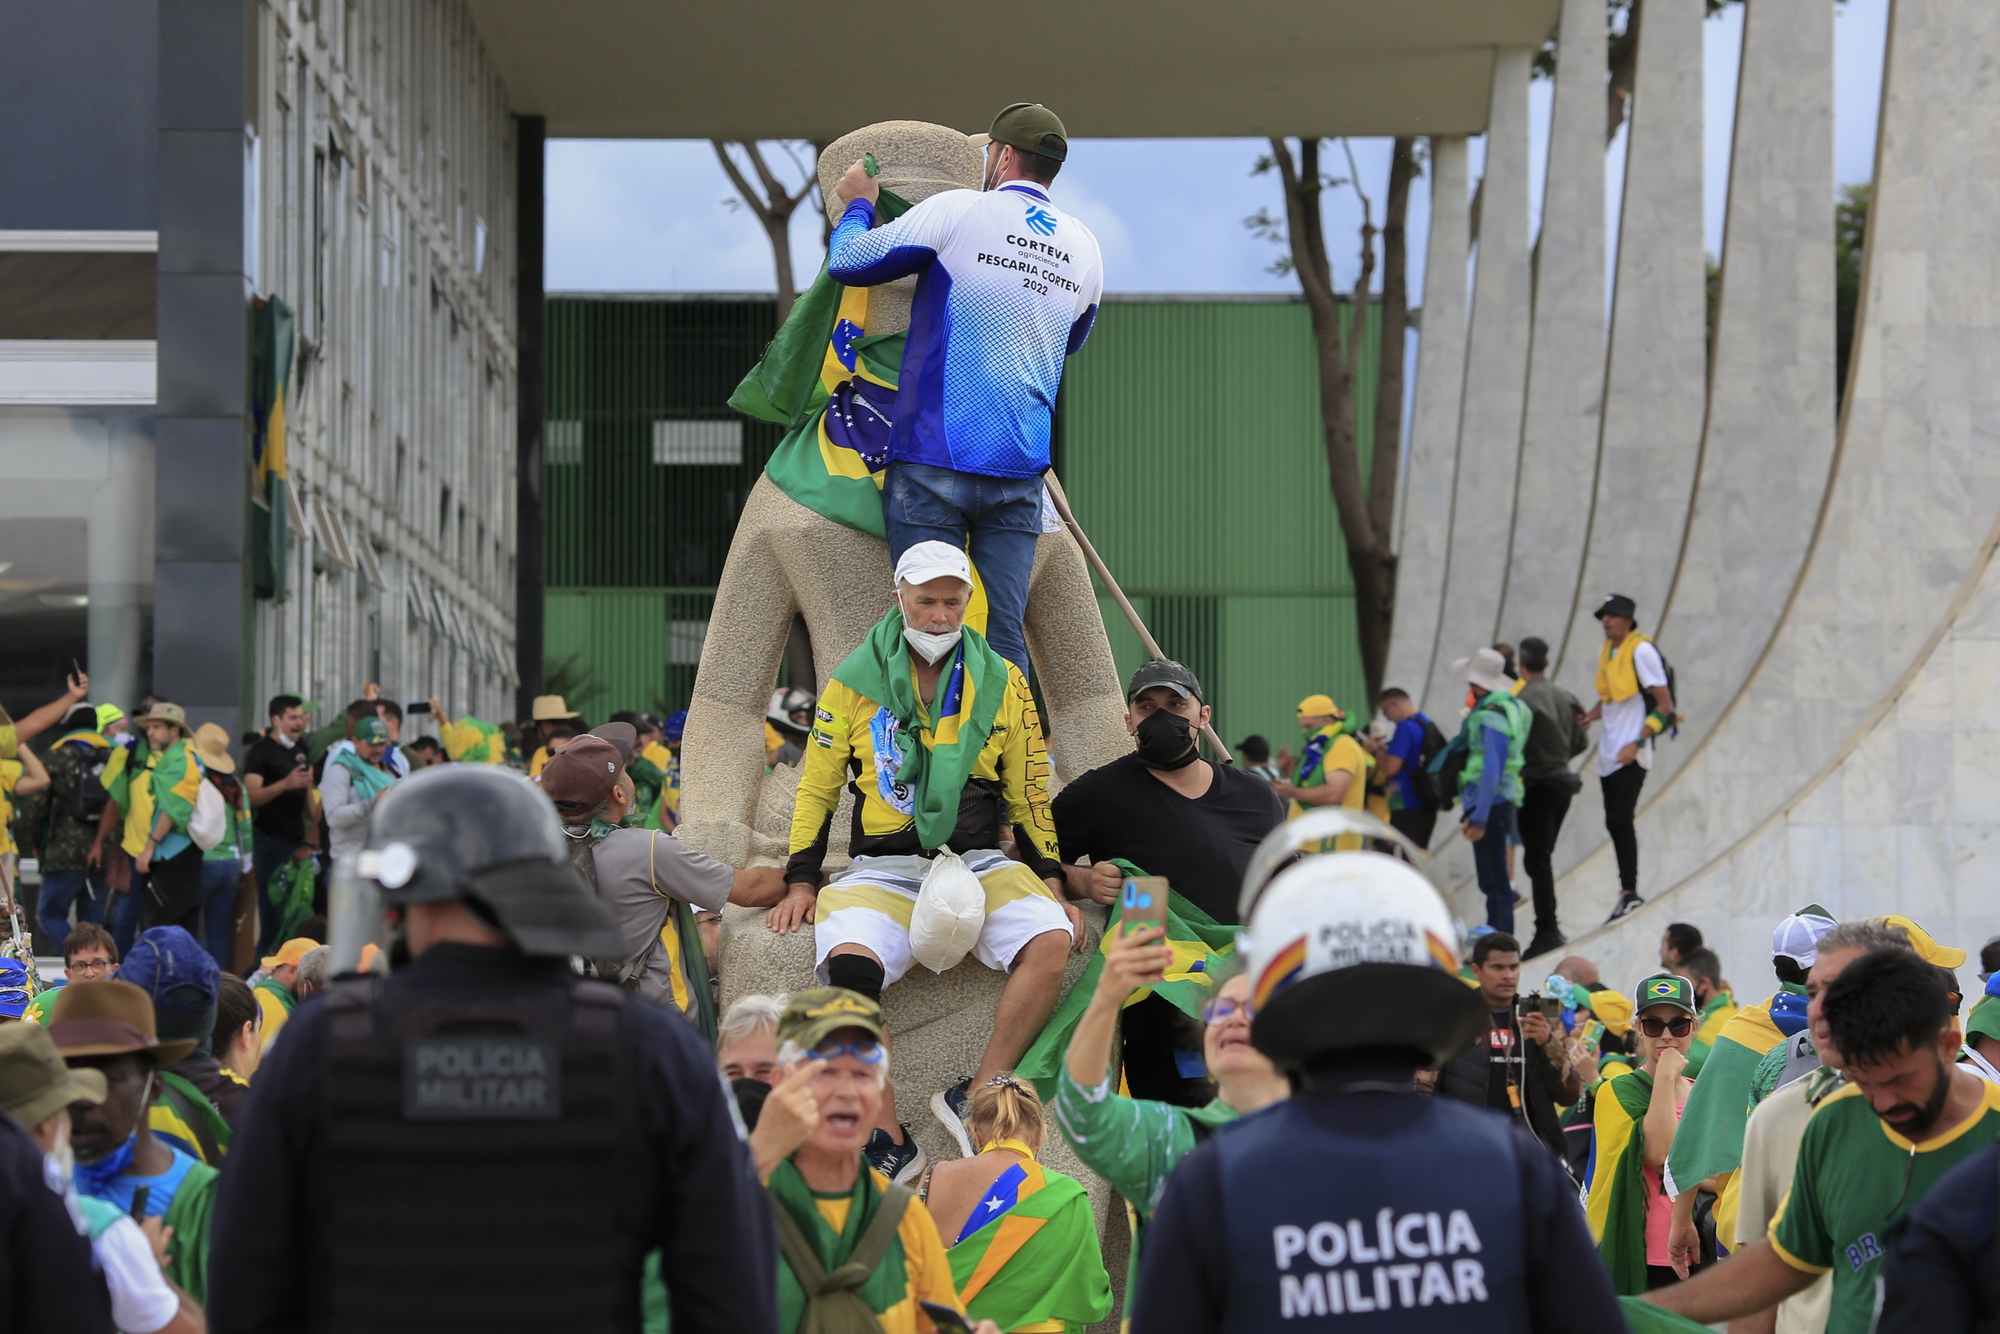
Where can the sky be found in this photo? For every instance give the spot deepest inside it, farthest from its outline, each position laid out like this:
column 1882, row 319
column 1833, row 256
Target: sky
column 653, row 215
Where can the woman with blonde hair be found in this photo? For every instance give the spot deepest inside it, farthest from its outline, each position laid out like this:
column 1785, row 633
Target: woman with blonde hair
column 1023, row 1246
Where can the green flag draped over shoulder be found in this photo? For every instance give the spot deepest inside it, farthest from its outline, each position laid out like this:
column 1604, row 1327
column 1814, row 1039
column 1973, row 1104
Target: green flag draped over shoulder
column 939, row 758
column 270, row 372
column 1200, row 945
column 1645, row 1318
column 1615, row 1180
column 1710, row 1138
column 833, row 387
column 1037, row 1261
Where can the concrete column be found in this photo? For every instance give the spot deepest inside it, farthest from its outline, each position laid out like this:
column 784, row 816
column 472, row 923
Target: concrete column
column 531, row 556
column 1423, row 511
column 1656, row 377
column 1771, row 405
column 201, row 596
column 1496, row 369
column 1564, row 412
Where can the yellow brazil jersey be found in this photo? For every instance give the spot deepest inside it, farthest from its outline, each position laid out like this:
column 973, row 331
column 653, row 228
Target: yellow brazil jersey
column 535, row 763
column 928, row 1267
column 1343, row 754
column 842, row 745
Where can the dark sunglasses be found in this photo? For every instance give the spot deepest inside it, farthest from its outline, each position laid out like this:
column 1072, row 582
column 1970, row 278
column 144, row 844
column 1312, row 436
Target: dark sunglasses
column 1654, row 1028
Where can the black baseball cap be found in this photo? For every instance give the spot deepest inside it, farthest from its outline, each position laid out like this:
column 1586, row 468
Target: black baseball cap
column 1616, row 604
column 1164, row 672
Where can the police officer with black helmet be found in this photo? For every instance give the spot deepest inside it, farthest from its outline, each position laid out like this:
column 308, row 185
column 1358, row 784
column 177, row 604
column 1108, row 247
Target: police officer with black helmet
column 1359, row 1202
column 485, row 1140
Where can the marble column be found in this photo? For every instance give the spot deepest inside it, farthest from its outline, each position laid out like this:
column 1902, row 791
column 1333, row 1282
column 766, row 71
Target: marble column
column 1496, row 366
column 1656, row 375
column 1564, row 412
column 1424, row 508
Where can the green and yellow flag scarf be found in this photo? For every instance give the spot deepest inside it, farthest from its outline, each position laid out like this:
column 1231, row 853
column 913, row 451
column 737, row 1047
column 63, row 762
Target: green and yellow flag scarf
column 1034, row 1257
column 937, row 755
column 169, row 781
column 1709, row 1141
column 1721, row 1008
column 270, row 373
column 833, row 386
column 888, row 1285
column 1615, row 1180
column 1200, row 945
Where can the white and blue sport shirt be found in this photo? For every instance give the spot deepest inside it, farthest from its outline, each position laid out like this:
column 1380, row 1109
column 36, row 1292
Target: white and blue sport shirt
column 1007, row 287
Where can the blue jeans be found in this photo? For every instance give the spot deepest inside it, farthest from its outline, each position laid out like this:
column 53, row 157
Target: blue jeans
column 218, row 906
column 267, row 854
column 125, row 914
column 995, row 520
column 1489, row 856
column 84, row 888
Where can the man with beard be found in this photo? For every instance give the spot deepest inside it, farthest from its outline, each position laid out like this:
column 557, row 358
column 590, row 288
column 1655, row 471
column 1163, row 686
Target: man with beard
column 1869, row 1154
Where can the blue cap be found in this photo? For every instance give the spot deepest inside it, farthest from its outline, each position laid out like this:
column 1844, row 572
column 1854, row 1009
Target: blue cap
column 677, row 722
column 181, row 977
column 15, row 989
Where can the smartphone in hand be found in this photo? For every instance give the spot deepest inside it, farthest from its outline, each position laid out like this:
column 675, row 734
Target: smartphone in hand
column 947, row 1320
column 1142, row 902
column 421, row 706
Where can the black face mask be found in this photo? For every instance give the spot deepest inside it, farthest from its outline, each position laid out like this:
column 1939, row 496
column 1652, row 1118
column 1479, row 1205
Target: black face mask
column 1166, row 741
column 750, row 1095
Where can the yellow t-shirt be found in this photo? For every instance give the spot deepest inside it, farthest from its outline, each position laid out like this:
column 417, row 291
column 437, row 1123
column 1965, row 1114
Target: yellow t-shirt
column 1343, row 755
column 842, row 744
column 540, row 758
column 924, row 1260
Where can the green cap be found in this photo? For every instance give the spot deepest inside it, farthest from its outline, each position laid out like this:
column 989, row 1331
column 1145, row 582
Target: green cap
column 1984, row 1019
column 811, row 1015
column 372, row 730
column 1032, row 128
column 1664, row 989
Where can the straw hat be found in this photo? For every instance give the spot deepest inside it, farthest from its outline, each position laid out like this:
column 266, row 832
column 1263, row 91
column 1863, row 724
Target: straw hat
column 163, row 712
column 551, row 707
column 211, row 743
column 110, row 1019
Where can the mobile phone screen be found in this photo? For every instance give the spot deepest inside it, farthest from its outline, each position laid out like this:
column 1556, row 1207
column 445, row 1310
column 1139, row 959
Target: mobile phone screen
column 1142, row 902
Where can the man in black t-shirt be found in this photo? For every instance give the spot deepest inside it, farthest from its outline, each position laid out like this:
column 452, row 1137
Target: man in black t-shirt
column 1171, row 813
column 278, row 780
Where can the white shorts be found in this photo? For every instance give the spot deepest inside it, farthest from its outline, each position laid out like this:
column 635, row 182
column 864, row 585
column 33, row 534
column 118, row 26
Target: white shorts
column 869, row 904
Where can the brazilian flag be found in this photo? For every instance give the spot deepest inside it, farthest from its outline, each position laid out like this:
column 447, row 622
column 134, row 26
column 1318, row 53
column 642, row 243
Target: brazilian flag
column 832, row 385
column 144, row 784
column 270, row 372
column 472, row 741
column 1709, row 1141
column 1615, row 1181
column 1200, row 945
column 1029, row 1254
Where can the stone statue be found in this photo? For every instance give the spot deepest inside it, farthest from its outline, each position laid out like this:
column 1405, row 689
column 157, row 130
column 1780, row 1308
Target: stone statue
column 789, row 559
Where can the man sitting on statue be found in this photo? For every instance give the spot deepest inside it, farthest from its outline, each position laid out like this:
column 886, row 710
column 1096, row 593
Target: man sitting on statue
column 940, row 738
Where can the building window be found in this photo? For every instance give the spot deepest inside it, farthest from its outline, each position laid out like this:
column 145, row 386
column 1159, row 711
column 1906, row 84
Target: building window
column 698, row 442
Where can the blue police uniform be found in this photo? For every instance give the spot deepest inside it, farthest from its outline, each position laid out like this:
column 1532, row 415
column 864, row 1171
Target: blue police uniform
column 1372, row 1210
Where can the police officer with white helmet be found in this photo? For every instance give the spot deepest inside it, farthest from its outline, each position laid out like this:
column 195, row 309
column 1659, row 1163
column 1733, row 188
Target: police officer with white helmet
column 1359, row 1202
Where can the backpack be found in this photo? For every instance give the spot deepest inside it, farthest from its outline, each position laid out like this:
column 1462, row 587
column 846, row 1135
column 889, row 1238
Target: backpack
column 1423, row 782
column 834, row 1304
column 88, row 798
column 1446, row 769
column 210, row 820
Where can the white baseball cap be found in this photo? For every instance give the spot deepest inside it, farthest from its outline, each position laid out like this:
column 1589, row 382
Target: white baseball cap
column 1797, row 937
column 933, row 560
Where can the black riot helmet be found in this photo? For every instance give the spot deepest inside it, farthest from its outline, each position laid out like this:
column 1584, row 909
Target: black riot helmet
column 477, row 832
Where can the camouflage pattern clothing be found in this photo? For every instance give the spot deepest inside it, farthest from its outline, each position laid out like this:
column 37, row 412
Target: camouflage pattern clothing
column 62, row 840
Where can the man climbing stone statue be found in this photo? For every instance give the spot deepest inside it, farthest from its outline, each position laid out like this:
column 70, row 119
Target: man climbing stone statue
column 941, row 740
column 1007, row 287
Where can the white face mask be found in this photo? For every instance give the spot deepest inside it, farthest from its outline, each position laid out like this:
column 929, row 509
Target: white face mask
column 988, row 178
column 932, row 647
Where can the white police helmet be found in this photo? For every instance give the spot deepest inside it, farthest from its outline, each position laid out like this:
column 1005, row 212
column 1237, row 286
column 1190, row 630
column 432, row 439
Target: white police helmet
column 1349, row 950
